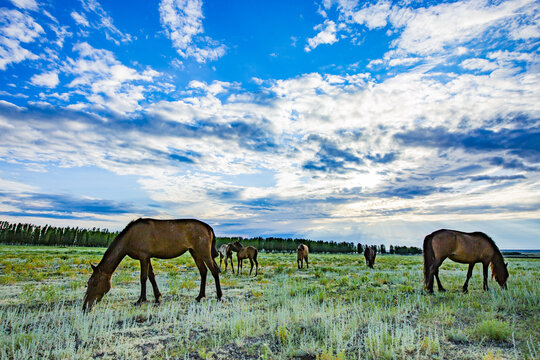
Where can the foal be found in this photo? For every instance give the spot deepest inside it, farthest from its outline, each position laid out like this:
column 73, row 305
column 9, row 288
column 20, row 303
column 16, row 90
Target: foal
column 248, row 252
column 225, row 251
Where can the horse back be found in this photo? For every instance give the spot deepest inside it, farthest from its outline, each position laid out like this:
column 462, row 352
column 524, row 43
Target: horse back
column 168, row 238
column 462, row 247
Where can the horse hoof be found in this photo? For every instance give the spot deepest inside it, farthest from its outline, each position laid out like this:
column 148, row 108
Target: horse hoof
column 139, row 302
column 442, row 290
column 465, row 291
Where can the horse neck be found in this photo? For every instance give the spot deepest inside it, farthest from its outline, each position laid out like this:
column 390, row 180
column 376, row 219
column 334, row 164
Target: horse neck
column 113, row 256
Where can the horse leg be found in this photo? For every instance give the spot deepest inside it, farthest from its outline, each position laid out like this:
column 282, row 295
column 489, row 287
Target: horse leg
column 256, row 266
column 144, row 277
column 298, row 263
column 439, row 285
column 152, row 277
column 307, row 263
column 203, row 271
column 232, row 264
column 215, row 273
column 485, row 265
column 251, row 268
column 220, row 261
column 469, row 274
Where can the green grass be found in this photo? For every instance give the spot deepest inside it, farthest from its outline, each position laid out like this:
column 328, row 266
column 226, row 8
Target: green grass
column 336, row 309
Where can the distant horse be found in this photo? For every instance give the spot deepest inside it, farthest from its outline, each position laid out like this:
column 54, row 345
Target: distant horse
column 225, row 251
column 370, row 253
column 302, row 254
column 143, row 239
column 465, row 248
column 248, row 252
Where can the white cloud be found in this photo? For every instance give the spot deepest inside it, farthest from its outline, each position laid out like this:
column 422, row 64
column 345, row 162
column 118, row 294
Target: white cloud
column 104, row 21
column 326, row 35
column 25, row 4
column 432, row 29
column 478, row 64
column 407, row 61
column 46, row 79
column 372, row 16
column 106, row 82
column 16, row 28
column 182, row 20
column 80, row 19
column 436, row 31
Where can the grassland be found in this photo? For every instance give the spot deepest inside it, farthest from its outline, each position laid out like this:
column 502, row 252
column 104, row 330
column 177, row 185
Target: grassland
column 336, row 309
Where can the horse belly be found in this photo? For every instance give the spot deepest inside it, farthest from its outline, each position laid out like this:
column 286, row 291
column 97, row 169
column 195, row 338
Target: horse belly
column 461, row 259
column 169, row 252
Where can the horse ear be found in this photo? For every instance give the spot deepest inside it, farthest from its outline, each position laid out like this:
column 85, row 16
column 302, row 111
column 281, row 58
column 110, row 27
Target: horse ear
column 505, row 264
column 94, row 267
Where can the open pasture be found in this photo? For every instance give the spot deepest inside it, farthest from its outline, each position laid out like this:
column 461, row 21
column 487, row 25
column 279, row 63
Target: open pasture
column 336, row 309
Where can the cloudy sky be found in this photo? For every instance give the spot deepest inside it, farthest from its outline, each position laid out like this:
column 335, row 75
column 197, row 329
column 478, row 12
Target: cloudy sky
column 376, row 122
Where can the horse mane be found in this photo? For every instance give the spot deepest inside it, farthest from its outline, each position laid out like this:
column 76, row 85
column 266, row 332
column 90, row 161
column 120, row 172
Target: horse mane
column 497, row 262
column 128, row 226
column 488, row 239
column 119, row 237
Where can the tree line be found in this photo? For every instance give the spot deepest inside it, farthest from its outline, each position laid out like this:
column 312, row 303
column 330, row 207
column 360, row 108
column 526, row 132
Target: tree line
column 274, row 244
column 400, row 250
column 29, row 234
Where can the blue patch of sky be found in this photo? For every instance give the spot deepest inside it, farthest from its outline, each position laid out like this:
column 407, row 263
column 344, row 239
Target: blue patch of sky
column 89, row 181
column 261, row 178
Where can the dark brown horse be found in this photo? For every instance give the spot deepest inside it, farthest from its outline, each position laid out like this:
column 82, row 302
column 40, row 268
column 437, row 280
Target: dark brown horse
column 225, row 251
column 144, row 239
column 370, row 253
column 302, row 253
column 242, row 253
column 465, row 248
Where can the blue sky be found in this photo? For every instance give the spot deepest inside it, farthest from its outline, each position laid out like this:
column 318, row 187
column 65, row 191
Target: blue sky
column 376, row 122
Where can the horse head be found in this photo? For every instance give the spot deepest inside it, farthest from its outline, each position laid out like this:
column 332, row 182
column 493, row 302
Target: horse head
column 98, row 285
column 500, row 273
column 236, row 246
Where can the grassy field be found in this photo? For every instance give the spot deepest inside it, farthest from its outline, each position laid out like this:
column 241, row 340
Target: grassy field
column 336, row 309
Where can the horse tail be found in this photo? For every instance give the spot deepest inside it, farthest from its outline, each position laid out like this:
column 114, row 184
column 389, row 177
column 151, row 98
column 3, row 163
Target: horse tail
column 215, row 253
column 429, row 256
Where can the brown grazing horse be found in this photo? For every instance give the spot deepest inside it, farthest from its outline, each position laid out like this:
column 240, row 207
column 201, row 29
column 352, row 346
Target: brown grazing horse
column 465, row 248
column 370, row 253
column 242, row 253
column 302, row 254
column 143, row 239
column 225, row 251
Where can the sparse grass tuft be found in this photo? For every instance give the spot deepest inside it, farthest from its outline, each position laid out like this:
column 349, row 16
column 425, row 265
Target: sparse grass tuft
column 492, row 330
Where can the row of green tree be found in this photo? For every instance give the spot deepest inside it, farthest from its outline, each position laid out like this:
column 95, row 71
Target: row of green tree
column 400, row 250
column 273, row 244
column 74, row 236
column 51, row 235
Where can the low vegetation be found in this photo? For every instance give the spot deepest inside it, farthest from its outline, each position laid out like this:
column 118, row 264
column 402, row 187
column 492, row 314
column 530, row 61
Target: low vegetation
column 336, row 309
